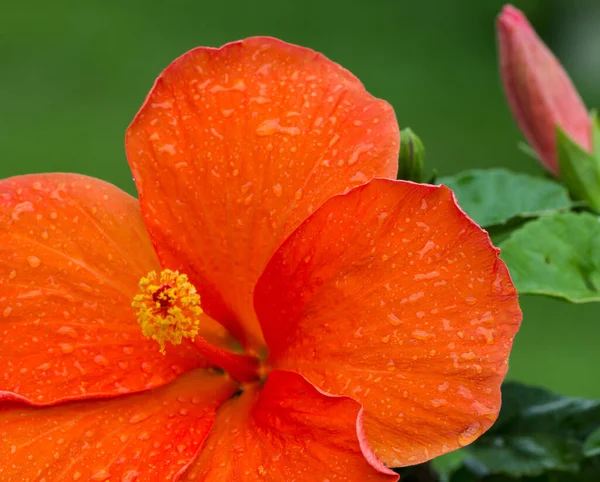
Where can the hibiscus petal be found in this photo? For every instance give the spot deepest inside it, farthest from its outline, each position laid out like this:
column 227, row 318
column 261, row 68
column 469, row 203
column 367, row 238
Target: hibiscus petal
column 72, row 250
column 235, row 147
column 287, row 431
column 153, row 435
column 391, row 295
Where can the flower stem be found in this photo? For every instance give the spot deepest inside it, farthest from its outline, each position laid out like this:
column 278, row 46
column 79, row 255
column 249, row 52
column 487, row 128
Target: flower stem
column 243, row 368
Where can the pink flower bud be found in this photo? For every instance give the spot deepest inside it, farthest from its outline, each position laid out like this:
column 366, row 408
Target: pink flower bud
column 539, row 91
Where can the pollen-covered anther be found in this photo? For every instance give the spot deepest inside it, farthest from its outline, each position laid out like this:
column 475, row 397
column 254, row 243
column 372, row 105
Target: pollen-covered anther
column 168, row 307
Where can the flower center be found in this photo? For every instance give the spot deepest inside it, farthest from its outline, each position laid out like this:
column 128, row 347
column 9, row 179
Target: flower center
column 168, row 307
column 168, row 310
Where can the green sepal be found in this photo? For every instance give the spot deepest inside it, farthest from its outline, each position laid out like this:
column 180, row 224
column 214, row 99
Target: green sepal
column 579, row 169
column 595, row 132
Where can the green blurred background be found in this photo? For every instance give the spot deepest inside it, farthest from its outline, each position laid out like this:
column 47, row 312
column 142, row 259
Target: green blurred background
column 75, row 72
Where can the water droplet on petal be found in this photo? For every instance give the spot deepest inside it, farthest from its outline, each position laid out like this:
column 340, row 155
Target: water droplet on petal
column 272, row 126
column 469, row 434
column 422, row 335
column 139, row 417
column 67, row 331
column 33, row 261
column 66, row 347
column 394, row 320
column 130, row 476
column 100, row 360
column 101, row 474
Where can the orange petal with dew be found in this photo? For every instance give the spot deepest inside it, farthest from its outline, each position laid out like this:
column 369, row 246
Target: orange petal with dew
column 72, row 250
column 235, row 147
column 285, row 431
column 391, row 295
column 147, row 436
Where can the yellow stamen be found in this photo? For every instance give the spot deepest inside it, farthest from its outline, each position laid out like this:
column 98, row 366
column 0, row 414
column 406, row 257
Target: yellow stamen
column 168, row 307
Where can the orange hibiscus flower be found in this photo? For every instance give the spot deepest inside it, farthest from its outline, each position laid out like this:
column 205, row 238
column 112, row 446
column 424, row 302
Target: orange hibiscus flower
column 317, row 323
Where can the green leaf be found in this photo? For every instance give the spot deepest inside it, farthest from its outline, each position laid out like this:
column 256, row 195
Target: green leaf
column 495, row 196
column 591, row 447
column 537, row 433
column 529, row 455
column 556, row 255
column 579, row 169
column 448, row 463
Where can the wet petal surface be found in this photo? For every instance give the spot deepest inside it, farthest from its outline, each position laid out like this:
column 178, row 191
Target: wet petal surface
column 72, row 250
column 235, row 147
column 286, row 432
column 392, row 296
column 148, row 436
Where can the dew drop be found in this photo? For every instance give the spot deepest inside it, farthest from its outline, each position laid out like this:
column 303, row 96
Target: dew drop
column 67, row 331
column 488, row 334
column 363, row 148
column 130, row 476
column 24, row 207
column 33, row 261
column 139, row 417
column 359, row 177
column 100, row 360
column 66, row 348
column 272, row 126
column 101, row 474
column 277, row 190
column 394, row 320
column 469, row 434
column 421, row 335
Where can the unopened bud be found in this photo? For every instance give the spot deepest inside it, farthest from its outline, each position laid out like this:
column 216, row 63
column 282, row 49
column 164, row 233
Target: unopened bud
column 412, row 156
column 539, row 91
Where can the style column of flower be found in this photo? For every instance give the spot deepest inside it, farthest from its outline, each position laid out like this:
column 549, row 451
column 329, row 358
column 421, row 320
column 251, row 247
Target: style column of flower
column 319, row 319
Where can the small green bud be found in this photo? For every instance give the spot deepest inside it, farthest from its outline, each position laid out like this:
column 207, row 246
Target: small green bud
column 412, row 156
